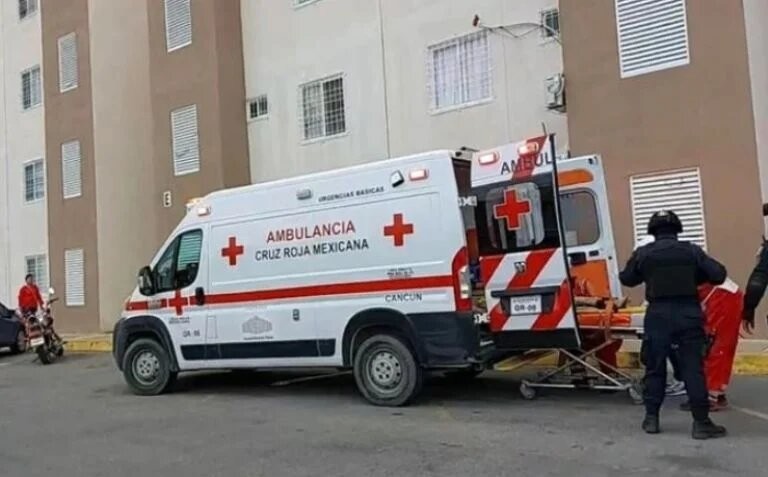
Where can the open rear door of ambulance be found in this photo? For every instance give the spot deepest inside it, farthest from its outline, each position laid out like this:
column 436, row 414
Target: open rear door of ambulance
column 523, row 261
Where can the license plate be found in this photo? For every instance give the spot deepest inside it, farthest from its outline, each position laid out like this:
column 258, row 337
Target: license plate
column 37, row 342
column 525, row 305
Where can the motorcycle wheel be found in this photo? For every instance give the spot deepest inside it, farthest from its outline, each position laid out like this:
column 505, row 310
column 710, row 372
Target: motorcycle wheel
column 46, row 354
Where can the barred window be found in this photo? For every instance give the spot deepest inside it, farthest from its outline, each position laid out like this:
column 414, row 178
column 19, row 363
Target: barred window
column 322, row 108
column 460, row 71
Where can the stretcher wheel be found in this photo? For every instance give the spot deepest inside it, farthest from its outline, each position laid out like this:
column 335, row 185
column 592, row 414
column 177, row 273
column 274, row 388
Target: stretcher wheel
column 528, row 393
column 636, row 393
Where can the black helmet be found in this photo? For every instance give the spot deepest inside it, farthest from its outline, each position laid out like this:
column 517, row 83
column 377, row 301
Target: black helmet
column 664, row 221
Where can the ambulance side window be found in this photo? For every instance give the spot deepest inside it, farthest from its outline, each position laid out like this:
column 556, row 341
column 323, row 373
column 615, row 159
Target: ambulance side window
column 179, row 264
column 580, row 219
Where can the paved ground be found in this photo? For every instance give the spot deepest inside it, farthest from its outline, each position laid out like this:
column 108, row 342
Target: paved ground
column 76, row 418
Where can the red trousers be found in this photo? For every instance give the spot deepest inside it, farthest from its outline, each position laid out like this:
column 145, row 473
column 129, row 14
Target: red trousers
column 722, row 310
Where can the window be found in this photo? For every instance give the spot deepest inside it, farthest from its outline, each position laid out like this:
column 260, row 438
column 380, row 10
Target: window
column 185, row 139
column 322, row 108
column 71, row 169
column 678, row 191
column 178, row 266
column 580, row 220
column 460, row 72
column 37, row 265
column 536, row 230
column 31, row 94
column 258, row 107
column 67, row 62
column 34, row 181
column 550, row 22
column 178, row 24
column 74, row 277
column 27, row 8
column 653, row 35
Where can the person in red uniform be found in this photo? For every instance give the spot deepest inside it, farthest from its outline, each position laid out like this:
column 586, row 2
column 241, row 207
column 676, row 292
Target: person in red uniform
column 722, row 310
column 29, row 297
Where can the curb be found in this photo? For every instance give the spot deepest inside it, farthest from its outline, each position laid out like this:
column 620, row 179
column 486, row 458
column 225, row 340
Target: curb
column 88, row 344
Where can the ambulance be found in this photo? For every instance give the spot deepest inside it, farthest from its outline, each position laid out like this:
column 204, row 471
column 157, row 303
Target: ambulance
column 392, row 270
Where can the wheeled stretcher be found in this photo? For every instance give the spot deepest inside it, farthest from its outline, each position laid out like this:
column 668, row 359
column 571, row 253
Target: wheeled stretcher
column 583, row 368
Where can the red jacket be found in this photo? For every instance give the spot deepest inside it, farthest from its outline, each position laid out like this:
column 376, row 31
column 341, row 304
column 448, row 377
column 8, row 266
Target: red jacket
column 29, row 297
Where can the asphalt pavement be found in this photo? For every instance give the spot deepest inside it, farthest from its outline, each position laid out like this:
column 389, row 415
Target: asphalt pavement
column 76, row 418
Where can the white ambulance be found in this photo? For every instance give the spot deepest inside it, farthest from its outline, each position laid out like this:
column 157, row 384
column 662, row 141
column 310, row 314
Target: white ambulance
column 364, row 268
column 368, row 268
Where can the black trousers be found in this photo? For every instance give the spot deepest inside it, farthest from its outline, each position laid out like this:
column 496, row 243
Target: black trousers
column 681, row 326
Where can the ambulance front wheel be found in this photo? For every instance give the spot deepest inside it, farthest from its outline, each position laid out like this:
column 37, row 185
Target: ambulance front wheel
column 147, row 368
column 386, row 371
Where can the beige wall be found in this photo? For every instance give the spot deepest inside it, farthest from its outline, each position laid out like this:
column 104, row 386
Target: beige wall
column 696, row 115
column 122, row 127
column 69, row 116
column 129, row 84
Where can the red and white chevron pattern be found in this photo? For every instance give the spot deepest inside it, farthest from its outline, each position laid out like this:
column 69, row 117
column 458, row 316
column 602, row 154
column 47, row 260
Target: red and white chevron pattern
column 543, row 268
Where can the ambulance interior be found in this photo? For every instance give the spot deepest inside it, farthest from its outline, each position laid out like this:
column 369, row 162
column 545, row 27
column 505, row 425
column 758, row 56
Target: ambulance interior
column 603, row 319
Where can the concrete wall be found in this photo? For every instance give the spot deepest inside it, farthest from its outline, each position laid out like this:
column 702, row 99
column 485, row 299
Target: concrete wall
column 122, row 146
column 23, row 226
column 381, row 48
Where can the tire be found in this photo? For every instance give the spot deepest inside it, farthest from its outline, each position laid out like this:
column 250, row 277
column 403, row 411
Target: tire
column 147, row 368
column 21, row 343
column 386, row 371
column 45, row 354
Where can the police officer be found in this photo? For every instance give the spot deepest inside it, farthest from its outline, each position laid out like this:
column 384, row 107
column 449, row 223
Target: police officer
column 758, row 280
column 672, row 271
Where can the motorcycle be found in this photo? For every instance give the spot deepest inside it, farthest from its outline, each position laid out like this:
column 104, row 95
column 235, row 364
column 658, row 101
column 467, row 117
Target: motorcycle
column 41, row 335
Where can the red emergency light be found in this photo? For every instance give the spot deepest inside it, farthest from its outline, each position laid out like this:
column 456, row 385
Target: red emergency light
column 418, row 174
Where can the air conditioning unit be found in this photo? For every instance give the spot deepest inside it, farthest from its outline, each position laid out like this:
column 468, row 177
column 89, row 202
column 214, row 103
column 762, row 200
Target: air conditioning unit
column 555, row 85
column 167, row 199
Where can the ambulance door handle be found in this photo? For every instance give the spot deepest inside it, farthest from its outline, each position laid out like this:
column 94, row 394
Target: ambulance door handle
column 199, row 296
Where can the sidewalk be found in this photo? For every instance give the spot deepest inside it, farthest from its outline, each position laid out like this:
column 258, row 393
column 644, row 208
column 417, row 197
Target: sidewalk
column 751, row 359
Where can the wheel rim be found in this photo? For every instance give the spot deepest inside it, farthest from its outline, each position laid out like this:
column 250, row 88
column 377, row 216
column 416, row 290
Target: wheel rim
column 385, row 372
column 146, row 367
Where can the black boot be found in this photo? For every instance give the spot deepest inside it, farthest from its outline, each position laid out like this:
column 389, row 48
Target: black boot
column 707, row 429
column 651, row 424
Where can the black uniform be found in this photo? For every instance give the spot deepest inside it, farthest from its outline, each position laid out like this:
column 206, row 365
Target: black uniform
column 758, row 280
column 672, row 271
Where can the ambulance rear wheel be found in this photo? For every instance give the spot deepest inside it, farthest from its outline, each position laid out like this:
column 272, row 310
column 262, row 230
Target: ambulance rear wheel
column 386, row 371
column 147, row 368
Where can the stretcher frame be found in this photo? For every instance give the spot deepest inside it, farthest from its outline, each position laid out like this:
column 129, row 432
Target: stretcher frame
column 578, row 372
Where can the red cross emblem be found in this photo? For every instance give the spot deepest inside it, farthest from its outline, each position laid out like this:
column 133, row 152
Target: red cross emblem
column 232, row 251
column 511, row 209
column 178, row 302
column 398, row 230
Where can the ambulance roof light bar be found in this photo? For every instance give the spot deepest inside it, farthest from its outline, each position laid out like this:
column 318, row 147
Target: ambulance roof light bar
column 488, row 158
column 418, row 174
column 528, row 148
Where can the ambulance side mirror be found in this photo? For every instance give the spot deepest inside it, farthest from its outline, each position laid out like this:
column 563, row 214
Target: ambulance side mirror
column 146, row 283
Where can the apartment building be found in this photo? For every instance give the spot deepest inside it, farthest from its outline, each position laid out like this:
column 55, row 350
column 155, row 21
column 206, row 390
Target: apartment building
column 334, row 82
column 144, row 111
column 674, row 95
column 23, row 221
